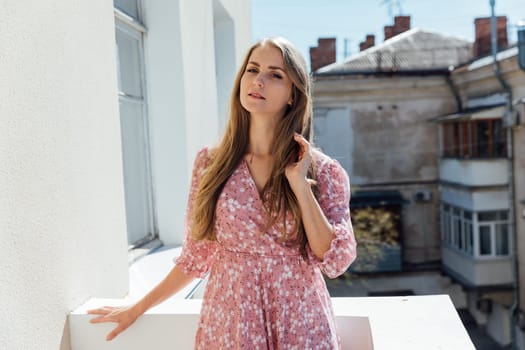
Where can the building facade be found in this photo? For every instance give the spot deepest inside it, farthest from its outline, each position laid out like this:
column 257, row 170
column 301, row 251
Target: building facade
column 102, row 111
column 433, row 132
column 371, row 113
column 482, row 180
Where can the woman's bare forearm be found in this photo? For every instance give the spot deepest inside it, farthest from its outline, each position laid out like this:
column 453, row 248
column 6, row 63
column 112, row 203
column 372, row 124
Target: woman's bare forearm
column 171, row 284
column 318, row 230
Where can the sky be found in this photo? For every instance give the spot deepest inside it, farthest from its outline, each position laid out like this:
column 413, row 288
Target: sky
column 304, row 21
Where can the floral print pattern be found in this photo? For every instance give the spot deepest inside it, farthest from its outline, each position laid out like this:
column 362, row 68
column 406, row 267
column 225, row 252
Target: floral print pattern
column 261, row 293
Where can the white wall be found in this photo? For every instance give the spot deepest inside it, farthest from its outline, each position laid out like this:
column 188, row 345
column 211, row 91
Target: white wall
column 186, row 94
column 480, row 271
column 62, row 215
column 363, row 324
column 479, row 200
column 63, row 226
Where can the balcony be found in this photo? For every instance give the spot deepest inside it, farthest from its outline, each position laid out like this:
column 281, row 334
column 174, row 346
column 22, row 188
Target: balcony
column 415, row 322
column 477, row 272
column 474, row 172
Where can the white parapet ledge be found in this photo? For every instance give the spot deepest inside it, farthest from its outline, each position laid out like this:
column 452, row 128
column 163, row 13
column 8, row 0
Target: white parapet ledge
column 379, row 323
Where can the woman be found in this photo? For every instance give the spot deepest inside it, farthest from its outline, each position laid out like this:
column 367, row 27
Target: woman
column 267, row 214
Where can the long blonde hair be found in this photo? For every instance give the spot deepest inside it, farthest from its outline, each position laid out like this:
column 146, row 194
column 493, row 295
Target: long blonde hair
column 277, row 194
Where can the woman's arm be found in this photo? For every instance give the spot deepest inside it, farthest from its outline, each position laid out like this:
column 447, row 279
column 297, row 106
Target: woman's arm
column 125, row 316
column 318, row 230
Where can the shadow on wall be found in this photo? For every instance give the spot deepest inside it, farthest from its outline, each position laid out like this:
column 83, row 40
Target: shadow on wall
column 65, row 342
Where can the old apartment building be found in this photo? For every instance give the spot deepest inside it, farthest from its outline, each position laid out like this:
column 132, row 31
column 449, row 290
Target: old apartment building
column 429, row 131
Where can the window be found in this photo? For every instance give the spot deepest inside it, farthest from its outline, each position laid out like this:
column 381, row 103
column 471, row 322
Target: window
column 464, row 230
column 129, row 7
column 129, row 37
column 484, row 240
column 483, row 138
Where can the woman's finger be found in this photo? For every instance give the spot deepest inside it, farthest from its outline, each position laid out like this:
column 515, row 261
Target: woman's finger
column 98, row 319
column 116, row 331
column 98, row 312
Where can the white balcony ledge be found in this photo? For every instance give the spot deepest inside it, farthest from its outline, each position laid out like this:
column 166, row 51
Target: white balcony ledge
column 474, row 172
column 379, row 323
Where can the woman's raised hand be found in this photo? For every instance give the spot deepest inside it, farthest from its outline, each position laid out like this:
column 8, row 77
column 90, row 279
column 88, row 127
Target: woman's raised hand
column 296, row 173
column 123, row 316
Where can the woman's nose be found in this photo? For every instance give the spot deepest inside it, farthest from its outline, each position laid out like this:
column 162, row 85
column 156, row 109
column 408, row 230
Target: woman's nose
column 258, row 80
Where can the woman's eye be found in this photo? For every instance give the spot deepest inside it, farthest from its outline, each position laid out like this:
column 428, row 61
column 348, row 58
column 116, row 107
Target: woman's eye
column 251, row 70
column 277, row 75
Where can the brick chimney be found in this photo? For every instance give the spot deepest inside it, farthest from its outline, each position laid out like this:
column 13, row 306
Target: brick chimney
column 401, row 24
column 483, row 43
column 389, row 32
column 323, row 54
column 369, row 42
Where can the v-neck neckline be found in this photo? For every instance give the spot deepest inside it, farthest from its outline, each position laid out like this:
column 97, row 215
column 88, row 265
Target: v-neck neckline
column 252, row 180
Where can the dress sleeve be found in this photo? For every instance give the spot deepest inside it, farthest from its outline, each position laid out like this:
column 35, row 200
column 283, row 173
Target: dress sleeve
column 334, row 200
column 197, row 256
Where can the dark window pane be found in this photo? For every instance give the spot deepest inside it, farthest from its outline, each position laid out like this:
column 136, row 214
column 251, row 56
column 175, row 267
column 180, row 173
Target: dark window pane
column 467, row 214
column 468, row 232
column 500, row 144
column 502, row 239
column 484, row 240
column 458, row 239
column 503, row 215
column 447, row 229
column 482, row 128
column 465, row 140
column 488, row 216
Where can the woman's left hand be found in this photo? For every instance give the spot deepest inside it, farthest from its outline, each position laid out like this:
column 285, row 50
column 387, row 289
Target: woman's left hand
column 297, row 173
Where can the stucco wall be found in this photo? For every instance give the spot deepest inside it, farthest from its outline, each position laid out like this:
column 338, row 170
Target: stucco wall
column 62, row 209
column 62, row 216
column 193, row 49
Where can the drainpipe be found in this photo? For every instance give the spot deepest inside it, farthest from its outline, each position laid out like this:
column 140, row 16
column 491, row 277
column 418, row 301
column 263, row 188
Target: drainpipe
column 454, row 90
column 510, row 156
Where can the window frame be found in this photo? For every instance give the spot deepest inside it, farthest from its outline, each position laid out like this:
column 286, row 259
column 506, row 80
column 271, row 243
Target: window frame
column 461, row 139
column 134, row 27
column 467, row 239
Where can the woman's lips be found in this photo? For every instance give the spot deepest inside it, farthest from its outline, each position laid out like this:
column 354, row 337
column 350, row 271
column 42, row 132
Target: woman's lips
column 256, row 95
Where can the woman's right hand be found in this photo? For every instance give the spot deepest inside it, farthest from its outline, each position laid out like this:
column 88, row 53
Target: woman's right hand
column 123, row 316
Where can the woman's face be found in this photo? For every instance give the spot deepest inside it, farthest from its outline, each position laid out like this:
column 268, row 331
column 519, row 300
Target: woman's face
column 265, row 89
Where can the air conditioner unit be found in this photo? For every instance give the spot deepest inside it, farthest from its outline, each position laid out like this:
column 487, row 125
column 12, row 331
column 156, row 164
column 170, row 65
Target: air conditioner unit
column 519, row 109
column 484, row 305
column 423, row 196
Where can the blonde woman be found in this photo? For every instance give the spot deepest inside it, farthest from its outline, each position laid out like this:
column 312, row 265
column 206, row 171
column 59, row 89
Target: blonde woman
column 267, row 215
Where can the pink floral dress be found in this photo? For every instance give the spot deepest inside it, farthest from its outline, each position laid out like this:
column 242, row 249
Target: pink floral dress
column 261, row 293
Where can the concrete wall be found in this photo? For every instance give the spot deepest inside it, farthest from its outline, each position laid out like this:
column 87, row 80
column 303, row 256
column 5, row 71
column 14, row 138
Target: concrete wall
column 498, row 324
column 62, row 209
column 62, row 215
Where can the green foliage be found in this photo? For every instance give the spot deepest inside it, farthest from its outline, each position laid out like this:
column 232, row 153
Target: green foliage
column 374, row 228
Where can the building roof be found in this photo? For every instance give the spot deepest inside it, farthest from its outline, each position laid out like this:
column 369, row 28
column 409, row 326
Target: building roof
column 415, row 50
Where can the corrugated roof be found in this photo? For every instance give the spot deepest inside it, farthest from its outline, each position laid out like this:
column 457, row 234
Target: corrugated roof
column 413, row 50
column 485, row 112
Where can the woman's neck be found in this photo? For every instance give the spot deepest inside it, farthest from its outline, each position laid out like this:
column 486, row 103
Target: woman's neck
column 262, row 131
